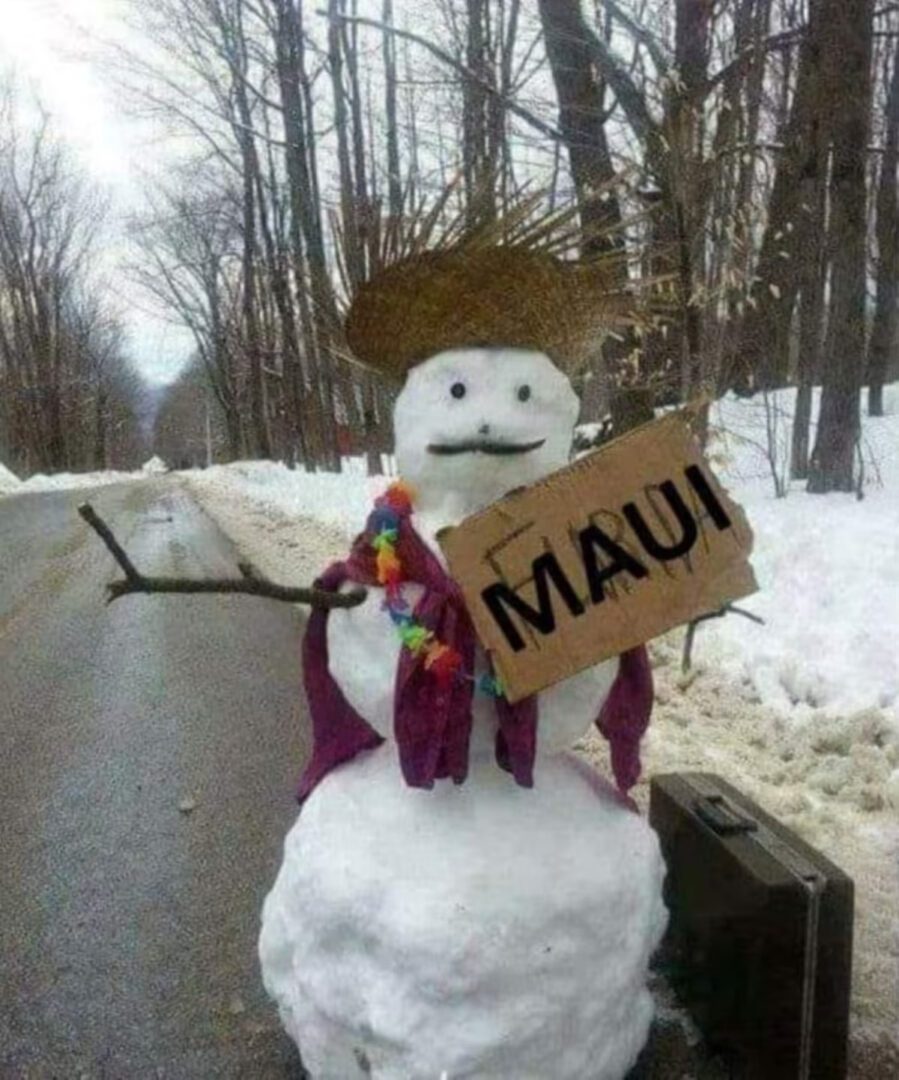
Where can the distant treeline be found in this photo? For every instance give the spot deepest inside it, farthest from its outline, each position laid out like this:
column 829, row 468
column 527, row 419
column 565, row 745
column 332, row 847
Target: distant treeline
column 67, row 395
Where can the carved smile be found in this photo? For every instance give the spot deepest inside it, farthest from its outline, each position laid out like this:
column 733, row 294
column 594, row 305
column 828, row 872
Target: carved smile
column 482, row 446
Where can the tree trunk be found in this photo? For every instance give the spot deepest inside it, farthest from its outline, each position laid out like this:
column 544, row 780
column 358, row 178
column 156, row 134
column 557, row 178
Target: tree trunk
column 394, row 180
column 477, row 166
column 760, row 358
column 684, row 128
column 812, row 274
column 580, row 92
column 883, row 333
column 318, row 311
column 101, row 420
column 250, row 324
column 846, row 99
column 810, row 263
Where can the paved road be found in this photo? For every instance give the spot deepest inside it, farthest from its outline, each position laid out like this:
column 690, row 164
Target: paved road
column 127, row 927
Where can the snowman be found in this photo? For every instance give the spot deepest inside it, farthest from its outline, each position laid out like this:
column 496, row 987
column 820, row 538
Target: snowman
column 460, row 895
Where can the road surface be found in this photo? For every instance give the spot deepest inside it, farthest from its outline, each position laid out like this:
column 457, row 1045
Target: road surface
column 128, row 926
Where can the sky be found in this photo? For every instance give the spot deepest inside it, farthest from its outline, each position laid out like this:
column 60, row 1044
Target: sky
column 52, row 45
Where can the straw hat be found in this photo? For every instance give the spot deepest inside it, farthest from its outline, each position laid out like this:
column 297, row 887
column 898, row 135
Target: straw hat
column 512, row 283
column 502, row 295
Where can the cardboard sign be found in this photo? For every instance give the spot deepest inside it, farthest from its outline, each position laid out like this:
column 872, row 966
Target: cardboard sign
column 601, row 556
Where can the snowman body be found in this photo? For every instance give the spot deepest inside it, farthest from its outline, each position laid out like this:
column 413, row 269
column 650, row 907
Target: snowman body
column 483, row 930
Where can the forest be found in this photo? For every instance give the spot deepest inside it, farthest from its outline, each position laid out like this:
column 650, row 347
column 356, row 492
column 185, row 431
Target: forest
column 741, row 153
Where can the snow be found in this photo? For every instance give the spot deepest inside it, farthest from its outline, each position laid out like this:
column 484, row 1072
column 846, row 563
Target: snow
column 336, row 500
column 9, row 482
column 72, row 481
column 828, row 570
column 412, row 934
column 154, row 467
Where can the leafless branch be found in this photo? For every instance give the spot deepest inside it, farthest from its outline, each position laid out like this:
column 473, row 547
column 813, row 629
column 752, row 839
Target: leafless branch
column 728, row 609
column 251, row 582
column 513, row 106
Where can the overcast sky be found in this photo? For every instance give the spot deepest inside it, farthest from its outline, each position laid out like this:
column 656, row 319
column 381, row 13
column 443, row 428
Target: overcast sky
column 49, row 44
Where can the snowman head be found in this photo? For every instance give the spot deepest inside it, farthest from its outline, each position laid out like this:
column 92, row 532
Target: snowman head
column 474, row 423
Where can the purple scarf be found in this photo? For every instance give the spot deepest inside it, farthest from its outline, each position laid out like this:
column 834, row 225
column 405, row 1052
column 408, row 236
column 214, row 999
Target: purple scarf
column 432, row 724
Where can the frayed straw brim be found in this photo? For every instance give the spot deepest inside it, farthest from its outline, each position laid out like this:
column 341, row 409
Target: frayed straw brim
column 501, row 296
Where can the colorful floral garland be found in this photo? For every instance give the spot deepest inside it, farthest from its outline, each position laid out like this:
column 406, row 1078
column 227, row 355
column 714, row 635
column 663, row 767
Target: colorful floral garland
column 441, row 660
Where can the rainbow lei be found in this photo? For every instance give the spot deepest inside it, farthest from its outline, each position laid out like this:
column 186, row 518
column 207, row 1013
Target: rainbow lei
column 441, row 660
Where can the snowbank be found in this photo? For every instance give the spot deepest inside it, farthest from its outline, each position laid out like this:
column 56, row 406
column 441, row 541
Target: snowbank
column 827, row 565
column 70, row 481
column 291, row 523
column 154, row 467
column 339, row 500
column 9, row 482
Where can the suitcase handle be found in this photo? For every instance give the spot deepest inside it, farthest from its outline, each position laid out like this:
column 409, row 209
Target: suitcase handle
column 720, row 816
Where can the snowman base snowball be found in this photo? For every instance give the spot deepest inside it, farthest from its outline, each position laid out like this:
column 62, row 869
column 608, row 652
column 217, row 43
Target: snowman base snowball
column 482, row 931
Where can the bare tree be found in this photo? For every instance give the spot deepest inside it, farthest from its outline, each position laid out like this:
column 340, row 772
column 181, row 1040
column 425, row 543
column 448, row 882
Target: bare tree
column 60, row 341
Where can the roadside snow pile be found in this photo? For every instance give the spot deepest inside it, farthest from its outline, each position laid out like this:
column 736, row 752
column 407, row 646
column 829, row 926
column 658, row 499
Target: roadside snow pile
column 827, row 566
column 291, row 523
column 340, row 500
column 154, row 467
column 9, row 482
column 70, row 481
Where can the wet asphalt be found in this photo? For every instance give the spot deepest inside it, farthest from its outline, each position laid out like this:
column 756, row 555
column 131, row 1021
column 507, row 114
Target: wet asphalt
column 128, row 922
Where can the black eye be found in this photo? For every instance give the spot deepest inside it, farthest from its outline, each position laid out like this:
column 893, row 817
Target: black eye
column 524, row 392
column 458, row 389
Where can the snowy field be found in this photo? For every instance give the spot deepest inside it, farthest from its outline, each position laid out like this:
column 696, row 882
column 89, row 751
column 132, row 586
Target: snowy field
column 802, row 713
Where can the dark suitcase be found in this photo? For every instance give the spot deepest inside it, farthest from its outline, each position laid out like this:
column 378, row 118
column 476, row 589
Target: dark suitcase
column 759, row 945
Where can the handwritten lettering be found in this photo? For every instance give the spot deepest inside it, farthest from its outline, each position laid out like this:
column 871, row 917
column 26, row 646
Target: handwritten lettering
column 630, row 554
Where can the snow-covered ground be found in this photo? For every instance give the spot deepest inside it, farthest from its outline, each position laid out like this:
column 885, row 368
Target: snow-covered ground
column 801, row 713
column 828, row 568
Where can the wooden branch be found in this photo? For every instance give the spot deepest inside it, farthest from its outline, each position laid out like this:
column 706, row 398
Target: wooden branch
column 728, row 609
column 632, row 101
column 251, row 582
column 513, row 106
column 640, row 34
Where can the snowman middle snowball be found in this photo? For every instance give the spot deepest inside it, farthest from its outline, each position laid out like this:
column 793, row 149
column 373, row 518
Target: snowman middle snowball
column 470, row 425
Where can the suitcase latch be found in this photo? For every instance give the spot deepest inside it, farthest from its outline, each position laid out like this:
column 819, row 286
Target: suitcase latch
column 723, row 818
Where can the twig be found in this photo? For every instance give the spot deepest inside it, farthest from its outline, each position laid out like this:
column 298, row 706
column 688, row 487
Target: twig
column 251, row 582
column 728, row 609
